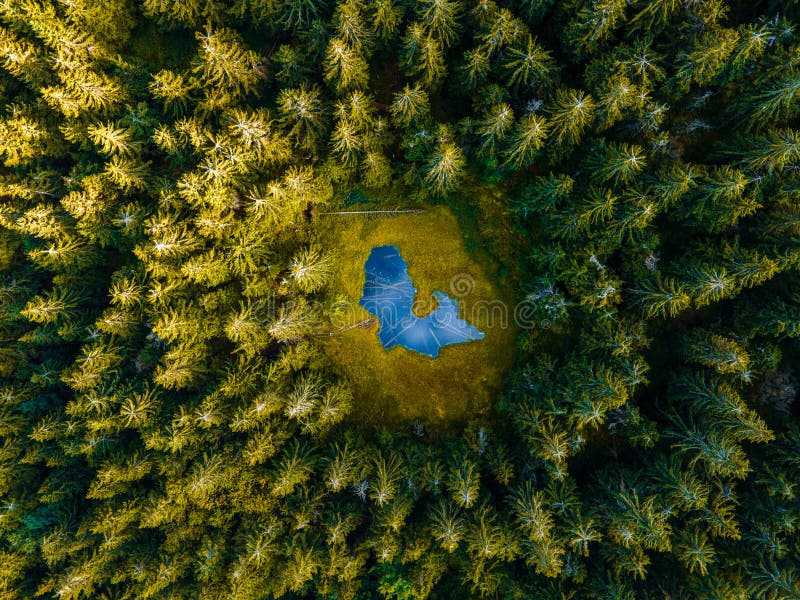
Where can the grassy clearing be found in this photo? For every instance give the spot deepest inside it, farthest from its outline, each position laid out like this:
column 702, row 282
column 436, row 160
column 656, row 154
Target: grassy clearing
column 400, row 385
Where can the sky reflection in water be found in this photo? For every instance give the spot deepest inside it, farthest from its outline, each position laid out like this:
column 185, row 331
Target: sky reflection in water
column 389, row 295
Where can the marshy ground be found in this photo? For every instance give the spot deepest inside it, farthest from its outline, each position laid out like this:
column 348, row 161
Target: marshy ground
column 400, row 385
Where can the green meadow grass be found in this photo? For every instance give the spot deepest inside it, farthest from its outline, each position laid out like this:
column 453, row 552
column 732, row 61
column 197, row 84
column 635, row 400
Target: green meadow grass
column 399, row 385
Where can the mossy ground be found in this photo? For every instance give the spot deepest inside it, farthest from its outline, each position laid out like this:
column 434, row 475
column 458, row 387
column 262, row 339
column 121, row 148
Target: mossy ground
column 399, row 385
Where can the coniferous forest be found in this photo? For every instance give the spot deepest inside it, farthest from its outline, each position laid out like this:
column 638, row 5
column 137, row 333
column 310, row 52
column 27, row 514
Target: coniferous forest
column 173, row 422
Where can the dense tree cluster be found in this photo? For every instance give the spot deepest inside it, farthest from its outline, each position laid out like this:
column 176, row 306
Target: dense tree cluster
column 169, row 428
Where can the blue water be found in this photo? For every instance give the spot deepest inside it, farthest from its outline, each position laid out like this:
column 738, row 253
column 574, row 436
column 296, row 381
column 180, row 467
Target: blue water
column 389, row 295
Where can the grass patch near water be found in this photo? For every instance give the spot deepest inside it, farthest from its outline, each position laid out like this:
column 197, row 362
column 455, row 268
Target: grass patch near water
column 399, row 385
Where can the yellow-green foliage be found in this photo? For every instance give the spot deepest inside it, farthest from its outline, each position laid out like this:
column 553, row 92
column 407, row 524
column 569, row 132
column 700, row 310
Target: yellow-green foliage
column 401, row 385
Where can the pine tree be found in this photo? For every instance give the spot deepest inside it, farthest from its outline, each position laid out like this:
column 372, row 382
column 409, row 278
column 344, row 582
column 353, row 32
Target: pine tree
column 24, row 137
column 225, row 64
column 84, row 90
column 112, row 140
column 708, row 58
column 410, row 106
column 528, row 138
column 440, row 18
column 531, row 66
column 301, row 13
column 21, row 58
column 387, row 18
column 448, row 526
column 721, row 353
column 446, row 165
column 351, row 26
column 593, row 24
column 247, row 328
column 170, row 12
column 464, row 483
column 777, row 102
column 387, row 477
column 292, row 321
column 347, row 141
column 662, row 297
column 774, row 151
column 571, row 114
column 476, row 65
column 495, row 127
column 310, row 269
column 345, row 67
column 173, row 89
column 620, row 163
column 423, row 55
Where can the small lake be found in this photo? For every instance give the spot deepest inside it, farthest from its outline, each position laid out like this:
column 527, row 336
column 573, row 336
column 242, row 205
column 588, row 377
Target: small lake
column 389, row 295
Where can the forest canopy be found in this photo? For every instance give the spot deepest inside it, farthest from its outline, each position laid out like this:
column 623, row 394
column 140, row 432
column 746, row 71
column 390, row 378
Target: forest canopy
column 172, row 422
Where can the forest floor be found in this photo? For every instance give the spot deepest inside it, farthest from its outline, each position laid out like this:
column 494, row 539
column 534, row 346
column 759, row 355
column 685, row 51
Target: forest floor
column 400, row 385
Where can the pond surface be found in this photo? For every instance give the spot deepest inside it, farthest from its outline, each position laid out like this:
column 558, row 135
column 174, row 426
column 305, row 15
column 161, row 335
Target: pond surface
column 389, row 294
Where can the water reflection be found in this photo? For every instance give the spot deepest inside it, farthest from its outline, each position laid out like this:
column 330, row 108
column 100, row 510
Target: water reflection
column 389, row 295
